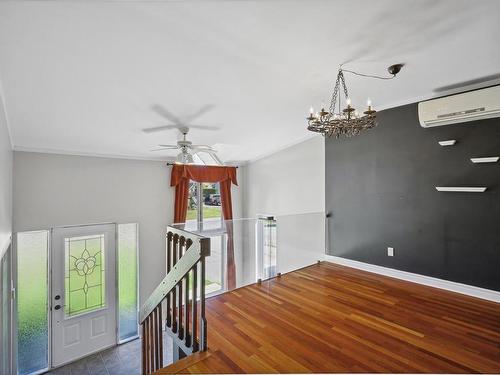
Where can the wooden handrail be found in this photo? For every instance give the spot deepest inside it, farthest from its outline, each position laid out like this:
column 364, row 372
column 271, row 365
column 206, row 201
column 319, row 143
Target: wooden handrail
column 185, row 265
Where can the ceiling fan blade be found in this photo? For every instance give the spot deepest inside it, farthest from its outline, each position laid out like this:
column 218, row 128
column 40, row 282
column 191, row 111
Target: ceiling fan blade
column 163, row 149
column 202, row 147
column 206, row 150
column 200, row 112
column 164, row 113
column 204, row 127
column 169, row 146
column 160, row 128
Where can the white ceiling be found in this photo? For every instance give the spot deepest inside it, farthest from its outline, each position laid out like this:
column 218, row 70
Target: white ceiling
column 82, row 76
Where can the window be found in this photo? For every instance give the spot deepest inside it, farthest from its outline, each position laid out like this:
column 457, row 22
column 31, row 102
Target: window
column 127, row 281
column 192, row 214
column 204, row 202
column 266, row 247
column 32, row 290
column 204, row 158
column 205, row 214
column 84, row 276
column 212, row 207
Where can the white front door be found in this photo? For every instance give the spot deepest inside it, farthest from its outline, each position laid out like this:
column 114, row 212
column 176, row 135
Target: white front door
column 83, row 297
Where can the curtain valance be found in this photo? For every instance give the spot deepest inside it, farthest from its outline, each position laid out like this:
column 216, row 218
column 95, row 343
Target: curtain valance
column 201, row 173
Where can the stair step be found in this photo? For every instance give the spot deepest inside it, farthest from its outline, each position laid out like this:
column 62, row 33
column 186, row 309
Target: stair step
column 183, row 363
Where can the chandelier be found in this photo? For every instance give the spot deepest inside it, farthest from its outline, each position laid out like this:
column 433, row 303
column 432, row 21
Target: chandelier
column 347, row 121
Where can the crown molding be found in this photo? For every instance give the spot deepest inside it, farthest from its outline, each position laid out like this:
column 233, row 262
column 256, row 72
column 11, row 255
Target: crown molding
column 88, row 154
column 6, row 116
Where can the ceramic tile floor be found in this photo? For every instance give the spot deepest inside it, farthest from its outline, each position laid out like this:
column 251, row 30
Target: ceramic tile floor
column 122, row 359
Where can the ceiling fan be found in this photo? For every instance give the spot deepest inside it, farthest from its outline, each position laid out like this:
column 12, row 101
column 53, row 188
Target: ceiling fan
column 183, row 125
column 187, row 149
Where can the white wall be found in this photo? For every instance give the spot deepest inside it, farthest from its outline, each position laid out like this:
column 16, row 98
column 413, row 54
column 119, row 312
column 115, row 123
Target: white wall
column 53, row 190
column 5, row 182
column 290, row 181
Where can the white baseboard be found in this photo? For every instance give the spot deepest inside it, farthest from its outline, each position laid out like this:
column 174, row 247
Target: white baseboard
column 452, row 286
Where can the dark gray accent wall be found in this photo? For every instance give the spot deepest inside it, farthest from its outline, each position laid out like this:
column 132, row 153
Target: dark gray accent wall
column 380, row 192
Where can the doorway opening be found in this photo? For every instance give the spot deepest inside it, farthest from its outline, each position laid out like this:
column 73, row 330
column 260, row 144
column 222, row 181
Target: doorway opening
column 76, row 293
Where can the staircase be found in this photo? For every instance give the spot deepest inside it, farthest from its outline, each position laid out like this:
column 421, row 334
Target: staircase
column 177, row 305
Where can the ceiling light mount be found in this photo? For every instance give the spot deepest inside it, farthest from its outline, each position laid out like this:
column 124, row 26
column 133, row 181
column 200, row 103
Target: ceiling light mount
column 395, row 69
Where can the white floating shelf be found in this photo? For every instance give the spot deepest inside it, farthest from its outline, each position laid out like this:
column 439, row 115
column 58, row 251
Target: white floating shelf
column 461, row 189
column 449, row 142
column 491, row 159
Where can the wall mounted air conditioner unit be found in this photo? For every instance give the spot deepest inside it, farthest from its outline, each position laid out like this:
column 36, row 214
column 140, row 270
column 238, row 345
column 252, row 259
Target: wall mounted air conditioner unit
column 468, row 106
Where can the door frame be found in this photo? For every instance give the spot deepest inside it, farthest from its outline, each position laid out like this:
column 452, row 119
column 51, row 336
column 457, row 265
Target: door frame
column 8, row 254
column 50, row 297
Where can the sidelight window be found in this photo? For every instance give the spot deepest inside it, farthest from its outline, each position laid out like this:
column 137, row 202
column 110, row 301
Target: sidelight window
column 127, row 281
column 32, row 291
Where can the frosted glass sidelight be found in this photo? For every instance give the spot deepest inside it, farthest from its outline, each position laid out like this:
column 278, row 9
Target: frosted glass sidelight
column 32, row 317
column 127, row 281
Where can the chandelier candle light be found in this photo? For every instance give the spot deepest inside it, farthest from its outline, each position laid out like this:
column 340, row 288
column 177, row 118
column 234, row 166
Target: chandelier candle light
column 338, row 121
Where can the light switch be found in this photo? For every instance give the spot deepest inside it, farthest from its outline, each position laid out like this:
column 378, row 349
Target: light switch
column 390, row 251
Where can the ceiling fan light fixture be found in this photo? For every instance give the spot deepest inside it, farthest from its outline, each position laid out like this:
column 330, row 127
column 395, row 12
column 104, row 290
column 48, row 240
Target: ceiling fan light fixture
column 184, row 158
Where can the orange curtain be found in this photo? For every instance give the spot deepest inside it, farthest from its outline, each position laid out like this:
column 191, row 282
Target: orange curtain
column 181, row 201
column 227, row 211
column 201, row 173
column 225, row 176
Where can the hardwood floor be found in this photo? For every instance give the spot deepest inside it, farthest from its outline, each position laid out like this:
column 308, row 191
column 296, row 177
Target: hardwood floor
column 330, row 318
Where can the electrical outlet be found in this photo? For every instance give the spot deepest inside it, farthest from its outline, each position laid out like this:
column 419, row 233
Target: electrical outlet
column 390, row 251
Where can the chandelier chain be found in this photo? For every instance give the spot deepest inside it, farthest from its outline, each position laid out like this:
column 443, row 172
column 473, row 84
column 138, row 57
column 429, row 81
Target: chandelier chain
column 340, row 80
column 343, row 83
column 334, row 95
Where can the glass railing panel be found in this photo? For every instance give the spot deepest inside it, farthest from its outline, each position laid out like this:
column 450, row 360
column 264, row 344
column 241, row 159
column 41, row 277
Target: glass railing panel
column 246, row 250
column 300, row 240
